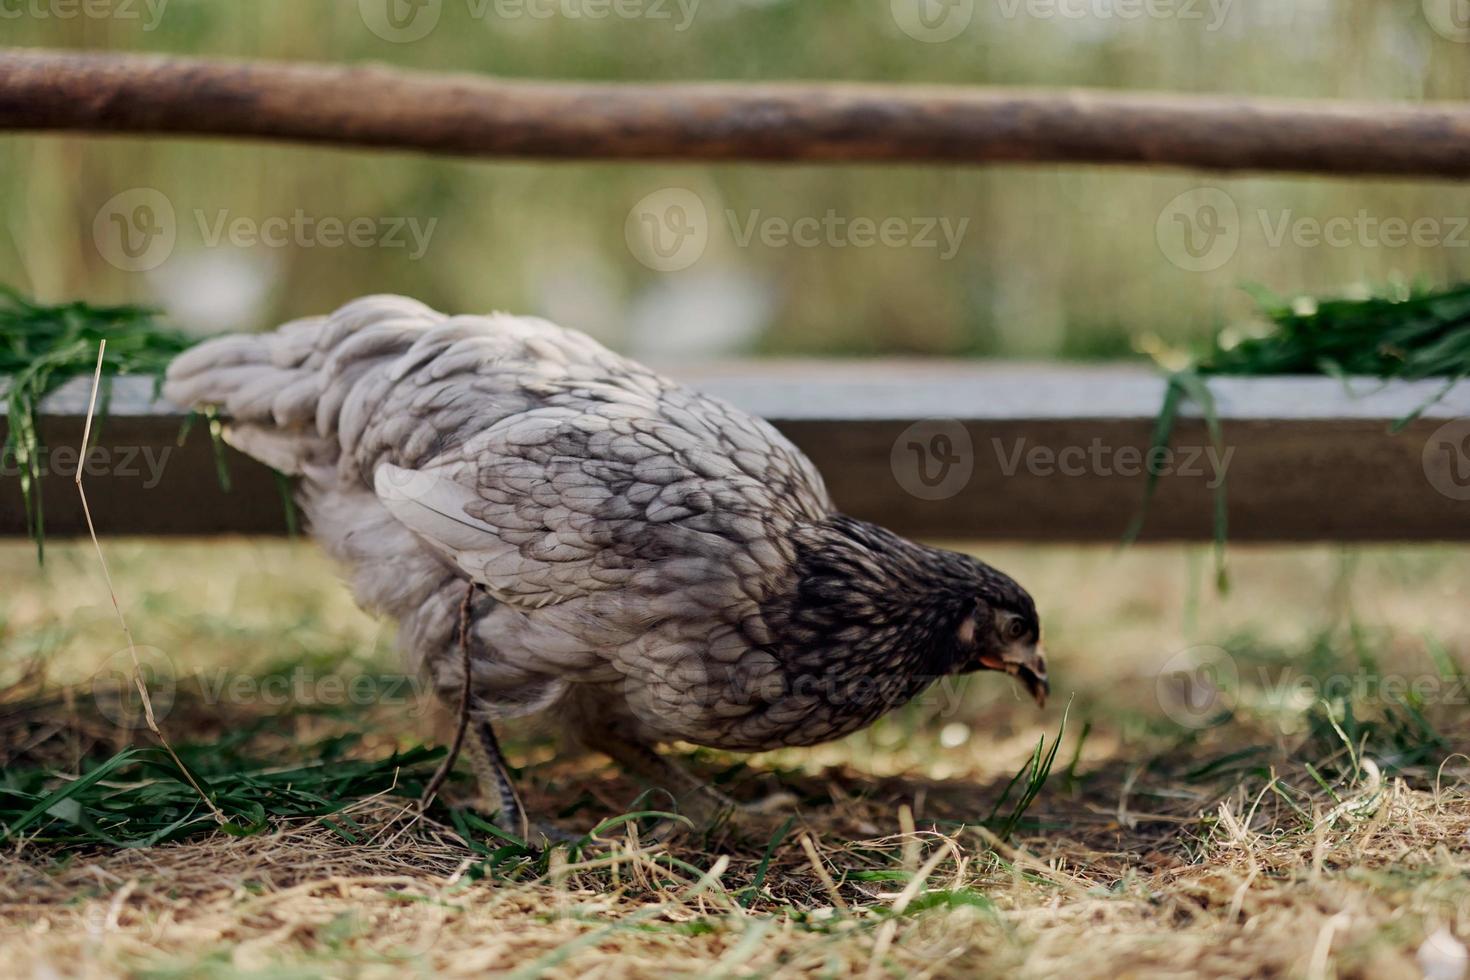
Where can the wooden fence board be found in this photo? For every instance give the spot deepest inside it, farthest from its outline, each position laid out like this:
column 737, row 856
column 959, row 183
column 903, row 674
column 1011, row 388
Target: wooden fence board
column 1054, row 454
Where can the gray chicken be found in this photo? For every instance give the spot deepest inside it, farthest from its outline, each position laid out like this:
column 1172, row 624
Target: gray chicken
column 645, row 562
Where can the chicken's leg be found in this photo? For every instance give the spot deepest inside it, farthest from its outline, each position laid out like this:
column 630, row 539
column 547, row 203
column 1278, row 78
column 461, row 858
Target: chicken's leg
column 698, row 800
column 702, row 803
column 491, row 770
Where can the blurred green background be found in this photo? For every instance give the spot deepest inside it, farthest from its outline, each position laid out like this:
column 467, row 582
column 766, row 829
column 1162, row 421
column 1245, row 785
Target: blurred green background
column 1068, row 262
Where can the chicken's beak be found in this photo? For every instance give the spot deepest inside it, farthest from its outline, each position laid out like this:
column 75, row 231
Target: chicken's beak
column 1026, row 663
column 1036, row 683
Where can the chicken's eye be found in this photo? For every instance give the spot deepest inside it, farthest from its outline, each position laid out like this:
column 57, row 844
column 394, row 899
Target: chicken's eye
column 1015, row 629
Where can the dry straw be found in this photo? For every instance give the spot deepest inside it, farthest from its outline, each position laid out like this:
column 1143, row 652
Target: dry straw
column 117, row 606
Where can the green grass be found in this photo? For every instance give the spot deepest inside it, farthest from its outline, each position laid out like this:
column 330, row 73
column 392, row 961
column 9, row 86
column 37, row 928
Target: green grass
column 43, row 346
column 1300, row 809
column 143, row 796
column 1409, row 333
column 1400, row 333
column 140, row 797
column 1031, row 778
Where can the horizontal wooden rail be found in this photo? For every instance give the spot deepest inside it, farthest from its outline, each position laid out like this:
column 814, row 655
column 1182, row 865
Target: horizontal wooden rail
column 940, row 450
column 370, row 106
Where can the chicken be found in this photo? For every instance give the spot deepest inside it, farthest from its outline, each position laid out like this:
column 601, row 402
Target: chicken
column 645, row 563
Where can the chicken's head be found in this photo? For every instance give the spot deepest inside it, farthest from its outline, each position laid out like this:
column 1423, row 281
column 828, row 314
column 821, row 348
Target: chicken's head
column 1003, row 633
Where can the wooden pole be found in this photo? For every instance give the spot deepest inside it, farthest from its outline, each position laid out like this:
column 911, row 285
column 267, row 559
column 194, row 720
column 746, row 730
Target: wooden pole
column 371, row 106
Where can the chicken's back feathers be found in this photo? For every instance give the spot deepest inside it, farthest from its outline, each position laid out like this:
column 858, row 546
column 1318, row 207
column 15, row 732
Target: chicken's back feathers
column 622, row 525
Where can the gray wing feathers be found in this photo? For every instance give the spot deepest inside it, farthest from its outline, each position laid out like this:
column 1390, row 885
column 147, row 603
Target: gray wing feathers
column 287, row 376
column 530, row 457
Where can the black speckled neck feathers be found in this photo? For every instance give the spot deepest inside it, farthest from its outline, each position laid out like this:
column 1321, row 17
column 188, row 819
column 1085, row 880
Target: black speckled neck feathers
column 868, row 599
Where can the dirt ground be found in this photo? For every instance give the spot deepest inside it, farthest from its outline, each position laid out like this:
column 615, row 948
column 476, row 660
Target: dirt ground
column 1266, row 783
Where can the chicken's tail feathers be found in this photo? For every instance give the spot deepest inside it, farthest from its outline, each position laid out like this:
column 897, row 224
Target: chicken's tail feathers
column 282, row 392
